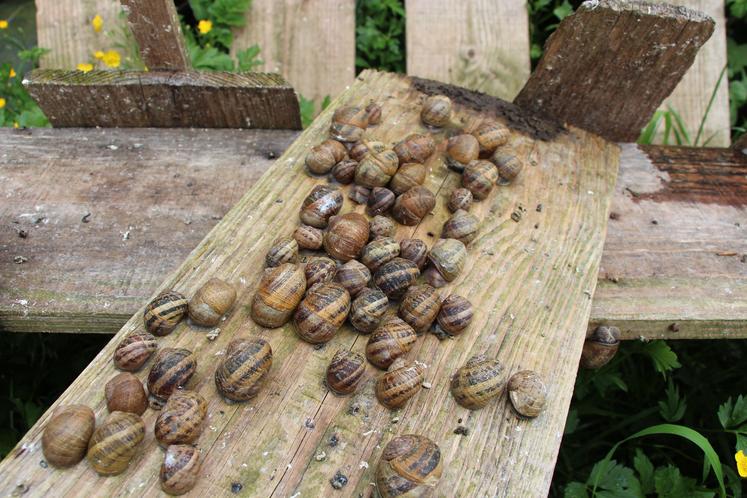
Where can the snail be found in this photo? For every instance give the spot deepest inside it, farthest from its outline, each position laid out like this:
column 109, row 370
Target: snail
column 164, row 313
column 279, row 292
column 172, row 368
column 321, row 158
column 436, row 111
column 412, row 206
column 380, row 200
column 419, row 307
column 509, row 166
column 460, row 151
column 114, row 443
column 373, row 113
column 283, row 250
column 308, row 237
column 399, row 383
column 239, row 375
column 125, row 393
column 478, row 177
column 379, row 252
column 346, row 236
column 180, row 421
column 322, row 312
column 461, row 198
column 348, row 124
column 416, row 148
column 359, row 194
column 410, row 466
column 354, row 276
column 477, row 382
column 211, row 302
column 394, row 277
column 319, row 270
column 447, row 259
column 461, row 226
column 345, row 371
column 377, row 167
column 455, row 314
column 134, row 350
column 407, row 176
column 344, row 171
column 358, row 151
column 66, row 435
column 180, row 469
column 323, row 202
column 600, row 347
column 367, row 309
column 380, row 226
column 415, row 250
column 527, row 393
column 392, row 339
column 491, row 135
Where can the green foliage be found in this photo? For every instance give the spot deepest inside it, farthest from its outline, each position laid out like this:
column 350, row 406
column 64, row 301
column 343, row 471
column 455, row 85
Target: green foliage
column 308, row 108
column 672, row 409
column 380, row 35
column 20, row 109
column 662, row 355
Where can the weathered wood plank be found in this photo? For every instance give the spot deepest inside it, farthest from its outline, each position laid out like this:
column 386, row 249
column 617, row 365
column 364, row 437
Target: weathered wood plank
column 268, row 445
column 158, row 33
column 741, row 144
column 478, row 44
column 610, row 64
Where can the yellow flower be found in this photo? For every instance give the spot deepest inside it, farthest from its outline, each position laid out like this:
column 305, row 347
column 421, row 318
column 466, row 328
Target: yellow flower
column 111, row 58
column 85, row 67
column 16, row 125
column 204, row 26
column 3, row 24
column 741, row 463
column 2, row 102
column 98, row 54
column 97, row 23
column 12, row 73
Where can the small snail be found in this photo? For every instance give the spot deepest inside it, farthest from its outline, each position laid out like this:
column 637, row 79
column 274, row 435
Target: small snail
column 66, row 435
column 308, row 237
column 407, row 176
column 358, row 151
column 164, row 313
column 348, row 124
column 373, row 113
column 410, row 466
column 419, row 307
column 172, row 368
column 461, row 226
column 322, row 312
column 436, row 111
column 412, row 206
column 247, row 361
column 398, row 384
column 527, row 393
column 455, row 314
column 180, row 421
column 321, row 158
column 416, row 148
column 279, row 292
column 447, row 258
column 344, row 171
column 392, row 339
column 359, row 194
column 323, row 202
column 211, row 302
column 380, row 200
column 346, row 236
column 367, row 309
column 491, row 135
column 600, row 347
column 377, row 167
column 125, row 393
column 477, row 382
column 319, row 270
column 478, row 177
column 460, row 198
column 380, row 226
column 134, row 351
column 354, row 276
column 283, row 250
column 394, row 277
column 415, row 250
column 180, row 469
column 379, row 252
column 509, row 166
column 114, row 443
column 460, row 151
column 345, row 371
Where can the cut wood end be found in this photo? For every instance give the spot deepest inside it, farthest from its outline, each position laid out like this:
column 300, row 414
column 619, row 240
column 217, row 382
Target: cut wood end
column 648, row 9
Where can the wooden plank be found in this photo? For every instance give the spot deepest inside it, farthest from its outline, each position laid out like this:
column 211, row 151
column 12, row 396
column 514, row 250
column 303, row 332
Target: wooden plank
column 741, row 144
column 310, row 42
column 158, row 33
column 268, row 445
column 482, row 45
column 164, row 99
column 611, row 63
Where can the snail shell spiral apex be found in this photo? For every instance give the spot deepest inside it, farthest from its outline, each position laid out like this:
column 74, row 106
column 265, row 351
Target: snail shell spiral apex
column 477, row 382
column 455, row 314
column 283, row 250
column 419, row 307
column 244, row 366
column 115, row 442
column 134, row 350
column 527, row 393
column 180, row 421
column 400, row 383
column 479, row 177
column 348, row 124
column 414, row 205
column 410, row 466
column 322, row 312
column 389, row 341
column 395, row 276
column 66, row 435
column 345, row 371
column 172, row 368
column 323, row 202
column 436, row 111
column 280, row 290
column 164, row 313
column 367, row 309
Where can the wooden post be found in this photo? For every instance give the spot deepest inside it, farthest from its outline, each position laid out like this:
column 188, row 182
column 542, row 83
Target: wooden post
column 158, row 33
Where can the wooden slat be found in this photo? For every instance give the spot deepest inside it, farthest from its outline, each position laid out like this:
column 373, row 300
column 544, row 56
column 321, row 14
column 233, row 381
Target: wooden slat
column 479, row 44
column 532, row 307
column 158, row 33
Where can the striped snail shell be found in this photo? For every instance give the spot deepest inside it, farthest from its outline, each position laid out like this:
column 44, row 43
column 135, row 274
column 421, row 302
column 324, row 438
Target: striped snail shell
column 478, row 177
column 395, row 276
column 247, row 361
column 358, row 151
column 322, row 312
column 461, row 198
column 134, row 350
column 527, row 393
column 419, row 307
column 410, row 466
column 348, row 124
column 447, row 258
column 211, row 302
column 415, row 250
column 392, row 339
column 164, row 312
column 114, row 443
column 460, row 151
column 379, row 252
column 407, row 176
column 180, row 469
column 172, row 368
column 461, row 226
column 354, row 276
column 66, row 435
column 125, row 393
column 491, row 135
column 283, row 250
column 180, row 421
column 319, row 270
column 455, row 314
column 308, row 237
column 279, row 292
column 477, row 382
column 436, row 111
column 509, row 166
column 322, row 202
column 399, row 383
column 367, row 309
column 600, row 347
column 373, row 113
column 412, row 206
column 380, row 200
column 345, row 371
column 380, row 226
column 321, row 158
column 359, row 194
column 416, row 148
column 346, row 236
column 377, row 167
column 344, row 171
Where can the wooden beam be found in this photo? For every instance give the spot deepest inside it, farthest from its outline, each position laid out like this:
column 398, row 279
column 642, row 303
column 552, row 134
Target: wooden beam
column 158, row 33
column 741, row 144
column 611, row 63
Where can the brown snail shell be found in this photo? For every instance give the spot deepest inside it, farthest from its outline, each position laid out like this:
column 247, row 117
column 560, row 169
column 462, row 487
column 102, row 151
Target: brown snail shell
column 394, row 277
column 322, row 312
column 348, row 124
column 247, row 361
column 419, row 307
column 319, row 270
column 460, row 151
column 410, row 466
column 354, row 276
column 358, row 151
column 491, row 135
column 407, row 176
column 283, row 250
column 373, row 113
column 460, row 198
column 279, row 292
column 172, row 368
column 180, row 469
column 134, row 350
column 344, row 171
column 455, row 314
column 527, row 393
column 211, row 302
column 114, row 443
column 377, row 167
column 180, row 421
column 359, row 194
column 308, row 237
column 346, row 236
column 600, row 347
column 66, row 435
column 436, row 111
column 379, row 252
column 323, row 202
column 321, row 158
column 415, row 250
column 345, row 371
column 509, row 166
column 380, row 200
column 412, row 206
column 461, row 226
column 477, row 382
column 416, row 148
column 380, row 226
column 367, row 309
column 447, row 258
column 392, row 339
column 164, row 312
column 399, row 383
column 125, row 393
column 478, row 177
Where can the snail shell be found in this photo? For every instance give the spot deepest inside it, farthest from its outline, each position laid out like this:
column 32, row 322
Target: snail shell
column 324, row 156
column 455, row 314
column 419, row 307
column 66, row 435
column 415, row 250
column 400, row 383
column 377, row 167
column 359, row 194
column 308, row 237
column 392, row 339
column 380, row 200
column 407, row 176
column 283, row 250
column 345, row 371
column 344, row 171
column 114, row 443
column 527, row 393
column 460, row 198
column 460, row 151
column 394, row 277
column 172, row 368
column 368, row 309
column 477, row 382
column 348, row 124
column 354, row 276
column 478, row 177
column 380, row 226
column 600, row 347
column 279, row 292
column 461, row 226
column 180, row 421
column 379, row 252
column 211, row 302
column 358, row 151
column 346, row 236
column 322, row 312
column 125, row 393
column 410, row 466
column 180, row 469
column 247, row 361
column 412, row 206
column 134, row 351
column 373, row 113
column 491, row 135
column 436, row 111
column 164, row 313
column 319, row 270
column 416, row 148
column 322, row 202
column 509, row 166
column 447, row 257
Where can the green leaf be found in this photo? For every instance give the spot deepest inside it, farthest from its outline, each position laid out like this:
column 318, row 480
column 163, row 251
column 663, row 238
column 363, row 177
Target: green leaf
column 307, row 110
column 33, row 55
column 733, row 414
column 229, row 12
column 32, row 118
column 209, row 58
column 200, row 8
column 608, row 475
column 249, row 58
column 649, row 132
column 673, row 408
column 326, row 101
column 563, row 10
column 575, row 490
column 571, row 423
column 662, row 355
column 670, row 483
column 645, row 470
column 733, row 482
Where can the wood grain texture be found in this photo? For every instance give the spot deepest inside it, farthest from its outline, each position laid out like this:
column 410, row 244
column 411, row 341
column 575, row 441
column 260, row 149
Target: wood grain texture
column 158, row 33
column 310, row 42
column 269, row 444
column 741, row 144
column 478, row 44
column 611, row 63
